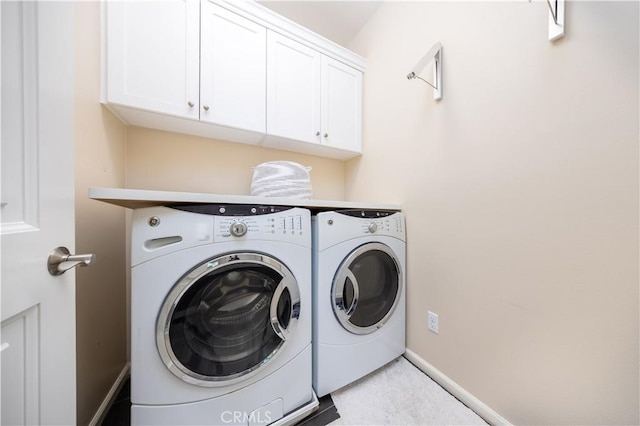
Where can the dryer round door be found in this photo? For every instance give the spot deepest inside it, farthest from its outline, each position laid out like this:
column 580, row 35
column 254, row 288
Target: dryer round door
column 366, row 288
column 227, row 318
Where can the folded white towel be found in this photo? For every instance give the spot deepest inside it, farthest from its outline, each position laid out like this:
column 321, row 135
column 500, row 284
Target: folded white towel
column 281, row 179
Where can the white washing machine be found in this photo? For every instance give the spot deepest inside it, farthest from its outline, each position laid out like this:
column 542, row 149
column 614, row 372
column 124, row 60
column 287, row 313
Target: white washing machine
column 220, row 315
column 359, row 294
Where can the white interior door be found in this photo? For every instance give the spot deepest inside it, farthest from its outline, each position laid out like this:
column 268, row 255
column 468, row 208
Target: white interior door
column 38, row 368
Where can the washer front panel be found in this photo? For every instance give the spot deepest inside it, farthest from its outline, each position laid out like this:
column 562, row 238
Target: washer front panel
column 366, row 288
column 226, row 318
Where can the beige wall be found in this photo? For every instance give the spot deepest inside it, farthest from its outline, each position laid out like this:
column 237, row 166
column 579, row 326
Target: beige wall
column 100, row 228
column 175, row 162
column 521, row 194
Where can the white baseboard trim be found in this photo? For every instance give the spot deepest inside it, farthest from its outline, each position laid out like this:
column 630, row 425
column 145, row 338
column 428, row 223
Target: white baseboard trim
column 479, row 407
column 99, row 416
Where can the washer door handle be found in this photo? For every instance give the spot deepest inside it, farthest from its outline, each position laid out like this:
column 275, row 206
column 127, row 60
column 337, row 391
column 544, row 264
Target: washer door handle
column 294, row 309
column 349, row 275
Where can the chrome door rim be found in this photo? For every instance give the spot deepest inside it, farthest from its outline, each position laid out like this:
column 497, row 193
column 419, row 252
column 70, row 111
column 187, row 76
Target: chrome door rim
column 337, row 289
column 163, row 322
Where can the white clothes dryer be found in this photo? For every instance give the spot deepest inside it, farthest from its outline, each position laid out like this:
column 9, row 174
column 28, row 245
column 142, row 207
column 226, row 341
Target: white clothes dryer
column 359, row 261
column 220, row 314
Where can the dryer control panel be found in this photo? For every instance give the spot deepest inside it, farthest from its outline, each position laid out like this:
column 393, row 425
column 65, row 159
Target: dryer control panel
column 386, row 226
column 385, row 222
column 382, row 222
column 337, row 226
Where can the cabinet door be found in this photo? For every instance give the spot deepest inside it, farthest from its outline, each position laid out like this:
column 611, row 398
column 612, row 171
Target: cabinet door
column 153, row 55
column 341, row 105
column 293, row 89
column 233, row 70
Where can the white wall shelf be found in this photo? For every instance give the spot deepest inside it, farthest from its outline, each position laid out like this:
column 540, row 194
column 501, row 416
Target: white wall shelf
column 139, row 198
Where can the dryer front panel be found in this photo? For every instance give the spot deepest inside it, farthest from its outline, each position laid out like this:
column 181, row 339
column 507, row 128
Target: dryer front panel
column 366, row 288
column 227, row 318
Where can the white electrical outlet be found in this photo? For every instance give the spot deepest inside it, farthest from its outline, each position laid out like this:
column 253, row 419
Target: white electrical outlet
column 432, row 323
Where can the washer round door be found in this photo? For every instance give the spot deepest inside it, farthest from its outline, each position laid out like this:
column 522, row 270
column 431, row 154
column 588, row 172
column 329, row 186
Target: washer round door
column 366, row 288
column 227, row 318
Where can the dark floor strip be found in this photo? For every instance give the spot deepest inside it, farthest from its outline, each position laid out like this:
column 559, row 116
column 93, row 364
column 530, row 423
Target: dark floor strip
column 119, row 413
column 325, row 414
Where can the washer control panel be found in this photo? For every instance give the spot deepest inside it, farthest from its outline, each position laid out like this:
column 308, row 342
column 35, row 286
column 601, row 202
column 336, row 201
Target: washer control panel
column 290, row 225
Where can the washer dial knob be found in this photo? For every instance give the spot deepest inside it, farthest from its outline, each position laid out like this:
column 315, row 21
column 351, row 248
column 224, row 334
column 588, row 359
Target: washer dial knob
column 373, row 227
column 238, row 229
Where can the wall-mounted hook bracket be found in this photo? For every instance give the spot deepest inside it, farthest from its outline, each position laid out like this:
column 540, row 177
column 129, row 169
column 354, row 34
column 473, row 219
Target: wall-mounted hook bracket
column 553, row 8
column 556, row 19
column 435, row 54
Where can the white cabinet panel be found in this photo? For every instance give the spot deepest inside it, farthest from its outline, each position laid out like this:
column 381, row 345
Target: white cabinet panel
column 311, row 98
column 233, row 70
column 19, row 77
column 293, row 89
column 153, row 55
column 341, row 105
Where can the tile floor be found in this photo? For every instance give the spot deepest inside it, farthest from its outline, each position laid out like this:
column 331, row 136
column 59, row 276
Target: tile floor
column 398, row 393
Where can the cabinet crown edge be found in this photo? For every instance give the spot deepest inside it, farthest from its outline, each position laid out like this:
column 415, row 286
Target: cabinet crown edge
column 280, row 24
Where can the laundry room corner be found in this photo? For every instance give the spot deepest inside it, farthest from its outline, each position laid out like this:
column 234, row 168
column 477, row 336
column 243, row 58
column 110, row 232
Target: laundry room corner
column 518, row 260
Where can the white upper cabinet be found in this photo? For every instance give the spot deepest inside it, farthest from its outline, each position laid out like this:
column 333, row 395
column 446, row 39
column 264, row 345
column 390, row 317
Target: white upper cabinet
column 152, row 56
column 293, row 89
column 341, row 105
column 311, row 98
column 233, row 70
